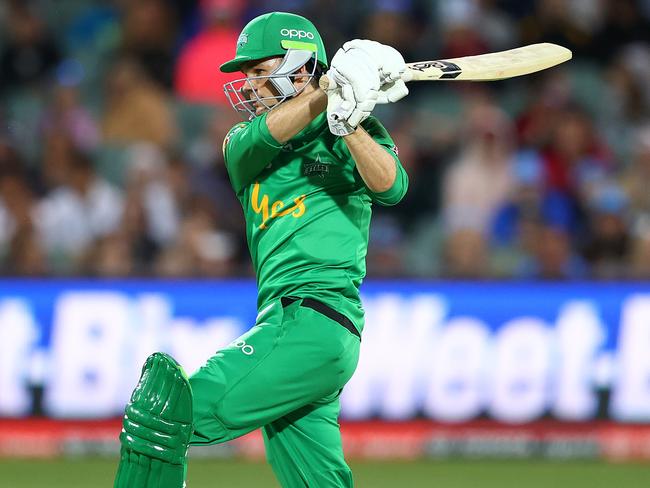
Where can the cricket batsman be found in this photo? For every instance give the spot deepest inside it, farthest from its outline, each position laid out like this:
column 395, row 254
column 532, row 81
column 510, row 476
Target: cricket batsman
column 306, row 166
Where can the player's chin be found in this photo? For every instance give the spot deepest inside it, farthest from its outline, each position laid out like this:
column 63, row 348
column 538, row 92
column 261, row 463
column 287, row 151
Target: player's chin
column 263, row 110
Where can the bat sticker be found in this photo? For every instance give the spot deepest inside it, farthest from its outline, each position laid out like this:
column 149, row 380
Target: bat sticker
column 450, row 70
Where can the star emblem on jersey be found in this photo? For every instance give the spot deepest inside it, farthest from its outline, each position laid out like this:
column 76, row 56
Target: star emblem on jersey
column 316, row 168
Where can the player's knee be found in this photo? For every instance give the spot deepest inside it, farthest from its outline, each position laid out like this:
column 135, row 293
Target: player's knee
column 336, row 478
column 210, row 419
column 154, row 437
column 157, row 427
column 206, row 395
column 158, row 419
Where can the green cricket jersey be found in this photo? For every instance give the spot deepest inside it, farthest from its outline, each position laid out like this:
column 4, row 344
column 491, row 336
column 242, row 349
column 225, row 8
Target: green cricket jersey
column 307, row 210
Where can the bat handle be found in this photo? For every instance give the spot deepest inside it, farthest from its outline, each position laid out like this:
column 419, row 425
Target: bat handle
column 324, row 82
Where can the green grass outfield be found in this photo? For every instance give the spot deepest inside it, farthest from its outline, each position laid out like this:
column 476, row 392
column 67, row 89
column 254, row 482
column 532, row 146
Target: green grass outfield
column 380, row 474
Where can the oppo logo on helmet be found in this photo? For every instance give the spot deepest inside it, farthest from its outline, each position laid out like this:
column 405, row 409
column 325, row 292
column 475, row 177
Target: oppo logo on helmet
column 300, row 34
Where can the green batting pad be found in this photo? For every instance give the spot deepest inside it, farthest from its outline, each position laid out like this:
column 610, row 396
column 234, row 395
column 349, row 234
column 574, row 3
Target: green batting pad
column 156, row 428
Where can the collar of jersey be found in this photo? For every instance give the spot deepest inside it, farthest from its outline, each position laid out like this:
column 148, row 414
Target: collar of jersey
column 313, row 129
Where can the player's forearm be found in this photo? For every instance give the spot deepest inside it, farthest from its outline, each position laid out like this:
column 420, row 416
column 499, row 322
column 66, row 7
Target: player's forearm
column 292, row 116
column 375, row 165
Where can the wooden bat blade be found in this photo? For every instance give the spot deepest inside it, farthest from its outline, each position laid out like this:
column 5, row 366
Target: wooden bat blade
column 485, row 67
column 492, row 66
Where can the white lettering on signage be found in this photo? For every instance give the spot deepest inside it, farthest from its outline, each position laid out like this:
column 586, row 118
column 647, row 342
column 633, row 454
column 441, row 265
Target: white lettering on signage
column 101, row 340
column 457, row 370
column 17, row 337
column 300, row 34
column 90, row 330
column 579, row 336
column 454, row 369
column 394, row 351
column 520, row 367
column 631, row 398
column 416, row 358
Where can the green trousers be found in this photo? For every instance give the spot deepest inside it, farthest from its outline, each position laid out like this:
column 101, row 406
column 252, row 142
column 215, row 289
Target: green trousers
column 284, row 375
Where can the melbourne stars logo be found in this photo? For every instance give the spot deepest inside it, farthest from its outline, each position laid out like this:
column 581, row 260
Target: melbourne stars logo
column 316, row 168
column 243, row 39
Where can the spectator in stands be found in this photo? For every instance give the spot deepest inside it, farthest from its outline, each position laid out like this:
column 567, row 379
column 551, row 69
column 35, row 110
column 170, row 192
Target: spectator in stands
column 202, row 247
column 66, row 115
column 575, row 155
column 154, row 201
column 465, row 254
column 459, row 26
column 554, row 257
column 84, row 208
column 336, row 25
column 26, row 256
column 624, row 24
column 625, row 103
column 20, row 250
column 497, row 26
column 515, row 227
column 58, row 150
column 385, row 247
column 636, row 177
column 30, row 53
column 205, row 149
column 197, row 78
column 149, row 37
column 16, row 223
column 553, row 21
column 536, row 122
column 95, row 27
column 608, row 242
column 111, row 256
column 425, row 166
column 392, row 22
column 11, row 161
column 136, row 109
column 480, row 180
column 208, row 176
column 639, row 264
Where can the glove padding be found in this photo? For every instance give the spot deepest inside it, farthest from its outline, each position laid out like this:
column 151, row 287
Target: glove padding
column 337, row 124
column 354, row 86
column 391, row 67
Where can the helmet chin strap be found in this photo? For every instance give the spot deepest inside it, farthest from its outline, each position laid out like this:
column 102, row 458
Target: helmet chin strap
column 292, row 61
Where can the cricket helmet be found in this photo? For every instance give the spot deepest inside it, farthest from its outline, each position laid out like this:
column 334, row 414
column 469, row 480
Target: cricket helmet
column 273, row 34
column 284, row 34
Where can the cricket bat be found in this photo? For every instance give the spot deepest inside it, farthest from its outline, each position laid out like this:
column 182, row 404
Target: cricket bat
column 485, row 67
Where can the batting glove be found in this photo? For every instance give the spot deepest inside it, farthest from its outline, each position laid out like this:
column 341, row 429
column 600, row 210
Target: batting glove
column 338, row 125
column 354, row 87
column 391, row 68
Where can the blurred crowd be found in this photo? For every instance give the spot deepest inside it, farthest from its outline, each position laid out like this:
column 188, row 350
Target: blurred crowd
column 112, row 119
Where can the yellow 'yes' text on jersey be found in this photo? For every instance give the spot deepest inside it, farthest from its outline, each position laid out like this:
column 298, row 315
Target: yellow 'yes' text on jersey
column 277, row 209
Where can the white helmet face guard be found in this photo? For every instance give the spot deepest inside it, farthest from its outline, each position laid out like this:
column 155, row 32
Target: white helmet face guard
column 243, row 96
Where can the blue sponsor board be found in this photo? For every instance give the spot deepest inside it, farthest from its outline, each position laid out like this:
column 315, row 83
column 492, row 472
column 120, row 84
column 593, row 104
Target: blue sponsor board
column 515, row 352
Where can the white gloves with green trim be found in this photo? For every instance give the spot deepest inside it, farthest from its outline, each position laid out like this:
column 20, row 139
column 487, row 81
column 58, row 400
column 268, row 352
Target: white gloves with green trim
column 362, row 74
